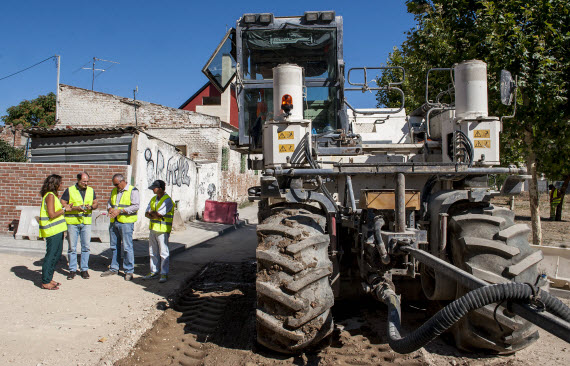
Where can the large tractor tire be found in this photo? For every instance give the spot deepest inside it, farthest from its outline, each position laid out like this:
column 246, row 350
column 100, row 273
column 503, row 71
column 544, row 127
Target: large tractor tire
column 488, row 244
column 294, row 296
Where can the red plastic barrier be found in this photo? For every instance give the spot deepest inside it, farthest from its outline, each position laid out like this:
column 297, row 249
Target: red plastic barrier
column 221, row 212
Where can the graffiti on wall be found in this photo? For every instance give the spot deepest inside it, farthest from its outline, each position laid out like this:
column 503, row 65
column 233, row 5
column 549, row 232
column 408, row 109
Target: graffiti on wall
column 176, row 172
column 211, row 191
column 206, row 188
column 149, row 166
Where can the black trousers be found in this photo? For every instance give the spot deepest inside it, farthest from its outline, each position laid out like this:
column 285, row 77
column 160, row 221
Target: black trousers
column 54, row 247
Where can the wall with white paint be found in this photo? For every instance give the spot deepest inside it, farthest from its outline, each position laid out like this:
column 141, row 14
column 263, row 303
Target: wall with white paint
column 156, row 159
column 208, row 180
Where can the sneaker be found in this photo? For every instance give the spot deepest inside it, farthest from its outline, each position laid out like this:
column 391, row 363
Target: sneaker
column 71, row 275
column 109, row 273
column 151, row 275
column 163, row 278
column 128, row 276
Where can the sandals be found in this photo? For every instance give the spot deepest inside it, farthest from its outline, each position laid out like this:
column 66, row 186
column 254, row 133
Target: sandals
column 57, row 284
column 52, row 287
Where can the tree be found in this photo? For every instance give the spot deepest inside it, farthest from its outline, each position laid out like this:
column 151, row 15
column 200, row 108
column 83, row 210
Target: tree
column 39, row 112
column 529, row 38
column 11, row 154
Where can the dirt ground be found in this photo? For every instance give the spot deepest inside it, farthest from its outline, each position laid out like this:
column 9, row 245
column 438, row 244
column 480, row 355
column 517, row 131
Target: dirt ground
column 212, row 322
column 554, row 233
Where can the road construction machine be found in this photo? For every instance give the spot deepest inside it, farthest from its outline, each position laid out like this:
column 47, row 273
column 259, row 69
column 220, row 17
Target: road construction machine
column 398, row 203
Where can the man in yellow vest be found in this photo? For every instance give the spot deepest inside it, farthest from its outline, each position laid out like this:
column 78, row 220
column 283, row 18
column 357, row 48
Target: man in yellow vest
column 160, row 211
column 83, row 201
column 122, row 207
column 555, row 200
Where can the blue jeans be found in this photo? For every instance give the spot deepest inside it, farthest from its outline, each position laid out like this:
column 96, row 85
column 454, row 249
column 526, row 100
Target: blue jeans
column 121, row 233
column 74, row 232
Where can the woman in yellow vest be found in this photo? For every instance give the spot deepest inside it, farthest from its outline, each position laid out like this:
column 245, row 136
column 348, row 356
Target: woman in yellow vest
column 52, row 226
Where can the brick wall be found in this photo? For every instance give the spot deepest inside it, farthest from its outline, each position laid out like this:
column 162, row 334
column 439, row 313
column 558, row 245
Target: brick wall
column 84, row 108
column 235, row 183
column 21, row 184
column 13, row 135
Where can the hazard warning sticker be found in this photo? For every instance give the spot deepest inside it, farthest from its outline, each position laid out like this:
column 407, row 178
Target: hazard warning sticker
column 286, row 135
column 481, row 134
column 482, row 144
column 286, row 148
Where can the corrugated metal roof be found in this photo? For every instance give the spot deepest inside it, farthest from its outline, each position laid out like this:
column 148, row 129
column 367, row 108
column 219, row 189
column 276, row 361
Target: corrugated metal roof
column 42, row 131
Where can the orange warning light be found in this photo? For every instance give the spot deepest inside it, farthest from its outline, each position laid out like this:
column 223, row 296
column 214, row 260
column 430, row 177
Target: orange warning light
column 286, row 103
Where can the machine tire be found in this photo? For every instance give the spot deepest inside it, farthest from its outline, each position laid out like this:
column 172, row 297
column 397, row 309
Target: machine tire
column 294, row 296
column 488, row 244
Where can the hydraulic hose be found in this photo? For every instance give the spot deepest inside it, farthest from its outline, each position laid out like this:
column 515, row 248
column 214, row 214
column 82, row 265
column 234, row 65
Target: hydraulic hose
column 453, row 312
column 378, row 223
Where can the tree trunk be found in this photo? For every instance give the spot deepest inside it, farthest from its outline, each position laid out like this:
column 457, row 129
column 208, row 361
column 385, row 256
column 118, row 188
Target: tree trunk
column 533, row 192
column 560, row 206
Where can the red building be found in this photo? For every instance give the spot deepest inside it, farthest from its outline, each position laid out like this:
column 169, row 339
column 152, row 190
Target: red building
column 208, row 100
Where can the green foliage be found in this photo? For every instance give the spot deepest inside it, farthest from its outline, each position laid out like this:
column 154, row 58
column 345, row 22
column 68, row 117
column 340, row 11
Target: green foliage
column 225, row 159
column 243, row 165
column 39, row 112
column 529, row 38
column 11, row 154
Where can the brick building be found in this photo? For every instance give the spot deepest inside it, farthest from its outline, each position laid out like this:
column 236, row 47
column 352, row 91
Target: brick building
column 208, row 100
column 200, row 137
column 13, row 135
column 146, row 157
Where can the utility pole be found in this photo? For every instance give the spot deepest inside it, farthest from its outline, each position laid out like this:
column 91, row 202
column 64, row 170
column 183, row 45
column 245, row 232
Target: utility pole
column 135, row 91
column 58, row 64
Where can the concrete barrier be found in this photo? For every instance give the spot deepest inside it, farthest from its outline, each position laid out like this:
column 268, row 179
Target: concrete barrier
column 28, row 227
column 100, row 228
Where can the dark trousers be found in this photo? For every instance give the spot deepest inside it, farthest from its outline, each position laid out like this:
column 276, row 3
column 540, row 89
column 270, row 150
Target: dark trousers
column 54, row 247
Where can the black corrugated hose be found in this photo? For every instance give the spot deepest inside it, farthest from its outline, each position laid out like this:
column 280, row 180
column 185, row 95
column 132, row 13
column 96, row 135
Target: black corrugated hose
column 453, row 312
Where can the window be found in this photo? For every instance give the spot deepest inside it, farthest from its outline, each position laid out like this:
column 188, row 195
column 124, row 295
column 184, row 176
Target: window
column 320, row 107
column 183, row 149
column 313, row 49
column 216, row 100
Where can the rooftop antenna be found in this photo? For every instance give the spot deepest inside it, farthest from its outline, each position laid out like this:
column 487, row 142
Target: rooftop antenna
column 93, row 69
column 135, row 91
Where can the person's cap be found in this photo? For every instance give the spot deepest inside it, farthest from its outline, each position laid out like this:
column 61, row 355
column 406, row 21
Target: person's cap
column 157, row 184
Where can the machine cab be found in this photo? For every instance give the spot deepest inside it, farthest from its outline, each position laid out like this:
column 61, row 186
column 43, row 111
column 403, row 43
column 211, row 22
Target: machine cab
column 245, row 58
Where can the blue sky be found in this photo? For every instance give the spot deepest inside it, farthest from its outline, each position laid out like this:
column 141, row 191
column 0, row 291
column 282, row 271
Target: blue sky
column 161, row 45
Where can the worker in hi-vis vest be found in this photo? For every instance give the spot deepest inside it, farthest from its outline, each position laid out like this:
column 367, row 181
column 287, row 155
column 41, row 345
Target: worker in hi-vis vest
column 83, row 201
column 122, row 207
column 555, row 200
column 52, row 226
column 160, row 211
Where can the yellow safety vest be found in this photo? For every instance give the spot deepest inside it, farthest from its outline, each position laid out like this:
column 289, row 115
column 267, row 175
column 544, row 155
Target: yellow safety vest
column 556, row 199
column 124, row 202
column 50, row 227
column 164, row 225
column 79, row 217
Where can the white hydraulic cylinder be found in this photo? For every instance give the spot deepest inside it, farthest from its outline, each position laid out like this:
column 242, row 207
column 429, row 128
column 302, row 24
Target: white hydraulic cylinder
column 284, row 137
column 288, row 79
column 471, row 90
